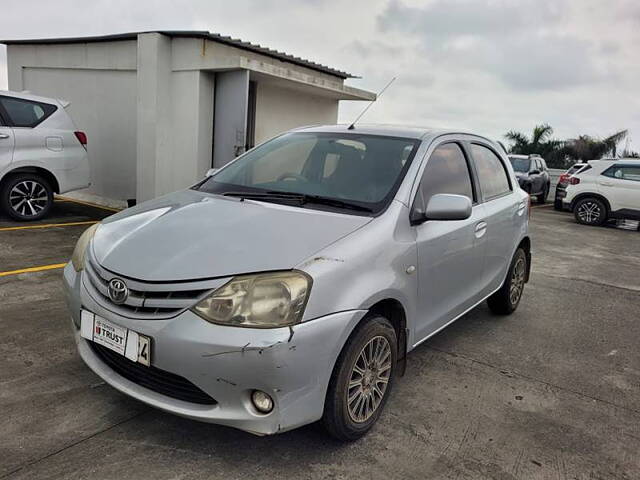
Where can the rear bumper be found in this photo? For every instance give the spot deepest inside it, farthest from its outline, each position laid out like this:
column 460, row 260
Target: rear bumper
column 293, row 365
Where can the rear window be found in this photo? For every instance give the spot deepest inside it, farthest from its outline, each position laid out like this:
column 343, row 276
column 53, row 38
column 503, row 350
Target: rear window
column 25, row 113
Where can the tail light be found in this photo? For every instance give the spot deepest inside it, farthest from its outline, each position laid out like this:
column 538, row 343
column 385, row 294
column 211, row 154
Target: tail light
column 82, row 138
column 574, row 181
column 563, row 178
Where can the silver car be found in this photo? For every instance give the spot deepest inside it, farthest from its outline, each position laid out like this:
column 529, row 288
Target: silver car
column 41, row 153
column 289, row 286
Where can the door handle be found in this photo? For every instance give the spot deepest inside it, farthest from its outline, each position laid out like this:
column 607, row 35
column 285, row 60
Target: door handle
column 481, row 229
column 3, row 136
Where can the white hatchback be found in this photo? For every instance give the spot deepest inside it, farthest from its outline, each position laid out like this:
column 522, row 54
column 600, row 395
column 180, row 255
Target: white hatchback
column 41, row 153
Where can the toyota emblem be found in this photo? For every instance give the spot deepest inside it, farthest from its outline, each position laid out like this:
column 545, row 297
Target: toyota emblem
column 118, row 291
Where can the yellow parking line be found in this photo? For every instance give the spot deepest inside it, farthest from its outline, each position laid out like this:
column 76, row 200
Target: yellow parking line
column 90, row 204
column 33, row 269
column 47, row 225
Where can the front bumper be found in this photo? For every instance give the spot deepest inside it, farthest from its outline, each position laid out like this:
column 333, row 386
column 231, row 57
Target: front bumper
column 293, row 365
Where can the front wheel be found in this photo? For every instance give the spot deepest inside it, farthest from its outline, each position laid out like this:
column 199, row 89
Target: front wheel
column 506, row 300
column 361, row 380
column 590, row 211
column 26, row 197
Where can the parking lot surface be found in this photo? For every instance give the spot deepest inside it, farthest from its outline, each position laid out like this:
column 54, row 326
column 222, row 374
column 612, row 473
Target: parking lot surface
column 551, row 392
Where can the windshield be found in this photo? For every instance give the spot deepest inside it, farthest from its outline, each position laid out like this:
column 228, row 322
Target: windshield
column 520, row 164
column 363, row 170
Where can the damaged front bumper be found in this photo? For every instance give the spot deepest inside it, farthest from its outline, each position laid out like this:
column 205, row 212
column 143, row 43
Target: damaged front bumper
column 292, row 364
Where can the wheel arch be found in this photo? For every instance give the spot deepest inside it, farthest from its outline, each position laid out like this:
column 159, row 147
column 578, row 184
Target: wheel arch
column 525, row 244
column 43, row 172
column 393, row 310
column 598, row 196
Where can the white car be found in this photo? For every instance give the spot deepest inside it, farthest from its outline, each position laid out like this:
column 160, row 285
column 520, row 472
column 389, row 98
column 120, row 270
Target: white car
column 603, row 190
column 41, row 153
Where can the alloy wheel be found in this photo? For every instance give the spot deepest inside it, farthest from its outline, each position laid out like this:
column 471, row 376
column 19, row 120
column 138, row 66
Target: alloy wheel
column 589, row 212
column 517, row 281
column 28, row 198
column 369, row 379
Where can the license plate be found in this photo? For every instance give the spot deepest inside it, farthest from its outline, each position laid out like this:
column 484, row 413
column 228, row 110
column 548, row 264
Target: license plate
column 133, row 345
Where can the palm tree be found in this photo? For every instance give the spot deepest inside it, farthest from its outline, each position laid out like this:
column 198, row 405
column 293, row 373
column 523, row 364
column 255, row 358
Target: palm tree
column 586, row 147
column 540, row 143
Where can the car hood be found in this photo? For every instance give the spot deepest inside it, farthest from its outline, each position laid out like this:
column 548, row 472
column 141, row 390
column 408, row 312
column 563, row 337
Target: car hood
column 191, row 235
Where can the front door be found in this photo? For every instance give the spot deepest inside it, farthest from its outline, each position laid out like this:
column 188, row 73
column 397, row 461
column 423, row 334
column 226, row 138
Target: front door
column 450, row 253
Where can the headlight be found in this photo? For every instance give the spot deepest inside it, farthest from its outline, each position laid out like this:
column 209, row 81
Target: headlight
column 266, row 300
column 77, row 259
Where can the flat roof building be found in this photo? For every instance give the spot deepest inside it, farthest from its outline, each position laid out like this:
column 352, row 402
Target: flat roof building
column 161, row 108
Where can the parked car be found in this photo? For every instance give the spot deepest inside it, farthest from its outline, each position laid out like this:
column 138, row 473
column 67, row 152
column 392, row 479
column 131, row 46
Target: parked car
column 289, row 286
column 41, row 153
column 532, row 174
column 563, row 180
column 603, row 190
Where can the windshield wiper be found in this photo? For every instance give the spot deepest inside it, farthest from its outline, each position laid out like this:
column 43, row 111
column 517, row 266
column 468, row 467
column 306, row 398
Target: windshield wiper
column 301, row 198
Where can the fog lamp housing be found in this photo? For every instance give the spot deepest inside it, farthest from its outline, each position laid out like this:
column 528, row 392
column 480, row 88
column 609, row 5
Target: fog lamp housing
column 262, row 401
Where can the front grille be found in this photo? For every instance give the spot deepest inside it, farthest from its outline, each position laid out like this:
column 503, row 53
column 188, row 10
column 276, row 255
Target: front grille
column 146, row 300
column 153, row 378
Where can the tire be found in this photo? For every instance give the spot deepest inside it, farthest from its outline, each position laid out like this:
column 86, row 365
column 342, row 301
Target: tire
column 506, row 300
column 542, row 198
column 26, row 197
column 590, row 211
column 345, row 420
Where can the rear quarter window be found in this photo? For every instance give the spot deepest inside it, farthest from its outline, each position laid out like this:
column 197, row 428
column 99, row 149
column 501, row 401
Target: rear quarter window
column 25, row 113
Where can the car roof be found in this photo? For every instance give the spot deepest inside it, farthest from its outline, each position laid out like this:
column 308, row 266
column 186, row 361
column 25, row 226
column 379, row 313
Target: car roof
column 420, row 133
column 618, row 161
column 29, row 96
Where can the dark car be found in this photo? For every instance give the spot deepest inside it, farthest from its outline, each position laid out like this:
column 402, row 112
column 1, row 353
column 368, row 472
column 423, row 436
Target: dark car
column 533, row 175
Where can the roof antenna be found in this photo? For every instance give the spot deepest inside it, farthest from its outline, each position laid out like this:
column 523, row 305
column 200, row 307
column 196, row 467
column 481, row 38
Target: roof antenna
column 353, row 124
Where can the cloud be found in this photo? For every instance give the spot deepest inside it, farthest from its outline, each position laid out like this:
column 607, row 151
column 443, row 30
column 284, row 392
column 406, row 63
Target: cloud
column 482, row 65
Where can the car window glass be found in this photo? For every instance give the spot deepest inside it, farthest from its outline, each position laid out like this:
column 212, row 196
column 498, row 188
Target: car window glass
column 491, row 172
column 25, row 113
column 446, row 172
column 624, row 173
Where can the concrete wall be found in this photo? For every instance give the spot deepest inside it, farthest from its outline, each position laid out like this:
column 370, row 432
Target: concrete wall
column 108, row 120
column 279, row 109
column 100, row 82
column 232, row 93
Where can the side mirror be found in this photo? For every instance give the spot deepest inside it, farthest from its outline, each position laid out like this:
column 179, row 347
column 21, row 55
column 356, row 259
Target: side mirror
column 444, row 206
column 211, row 171
column 534, row 172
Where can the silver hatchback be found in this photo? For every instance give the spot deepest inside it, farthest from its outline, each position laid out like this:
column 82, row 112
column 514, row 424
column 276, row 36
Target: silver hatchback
column 289, row 286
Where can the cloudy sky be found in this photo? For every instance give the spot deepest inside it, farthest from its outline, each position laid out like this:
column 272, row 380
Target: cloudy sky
column 482, row 65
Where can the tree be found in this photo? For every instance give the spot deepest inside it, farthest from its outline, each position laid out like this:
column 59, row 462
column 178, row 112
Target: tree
column 540, row 143
column 586, row 147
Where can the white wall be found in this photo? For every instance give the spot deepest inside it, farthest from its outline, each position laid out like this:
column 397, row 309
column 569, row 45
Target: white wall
column 279, row 109
column 103, row 105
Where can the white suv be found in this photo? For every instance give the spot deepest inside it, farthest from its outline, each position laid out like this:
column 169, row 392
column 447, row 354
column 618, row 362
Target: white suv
column 41, row 153
column 603, row 190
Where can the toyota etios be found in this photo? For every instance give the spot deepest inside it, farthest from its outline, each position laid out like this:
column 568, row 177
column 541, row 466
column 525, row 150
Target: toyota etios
column 289, row 286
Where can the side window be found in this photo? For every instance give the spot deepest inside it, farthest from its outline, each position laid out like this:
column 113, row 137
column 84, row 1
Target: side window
column 26, row 113
column 491, row 172
column 624, row 172
column 447, row 171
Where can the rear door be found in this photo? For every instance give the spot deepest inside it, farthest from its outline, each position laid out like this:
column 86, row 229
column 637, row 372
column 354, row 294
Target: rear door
column 450, row 253
column 620, row 184
column 6, row 144
column 504, row 211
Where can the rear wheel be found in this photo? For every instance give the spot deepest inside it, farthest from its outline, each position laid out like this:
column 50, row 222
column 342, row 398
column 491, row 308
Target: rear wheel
column 506, row 300
column 26, row 197
column 361, row 380
column 590, row 211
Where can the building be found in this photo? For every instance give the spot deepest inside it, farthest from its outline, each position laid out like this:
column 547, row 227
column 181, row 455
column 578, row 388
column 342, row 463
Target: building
column 161, row 108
